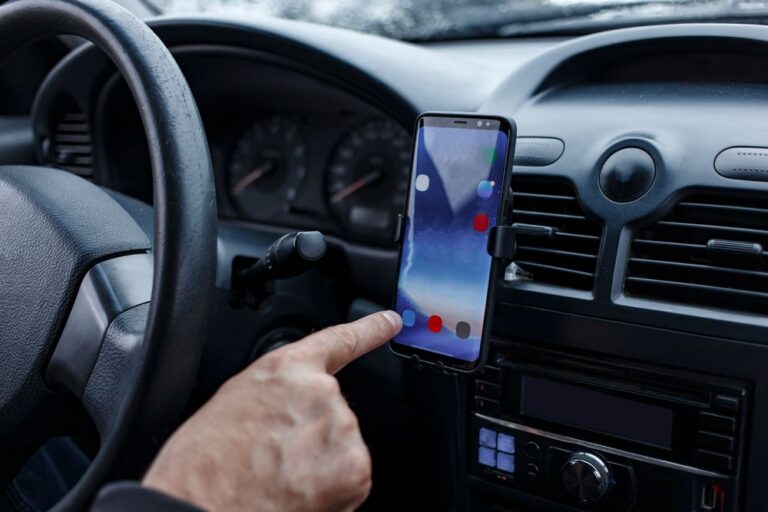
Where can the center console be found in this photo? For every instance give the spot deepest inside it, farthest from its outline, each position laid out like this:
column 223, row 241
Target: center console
column 582, row 434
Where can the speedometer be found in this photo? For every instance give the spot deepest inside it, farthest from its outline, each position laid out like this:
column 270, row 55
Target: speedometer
column 267, row 166
column 367, row 178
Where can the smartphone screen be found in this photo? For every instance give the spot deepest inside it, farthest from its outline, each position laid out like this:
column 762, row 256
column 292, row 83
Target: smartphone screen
column 456, row 189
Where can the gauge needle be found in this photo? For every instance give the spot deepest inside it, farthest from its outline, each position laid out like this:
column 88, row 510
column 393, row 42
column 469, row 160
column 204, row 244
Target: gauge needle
column 251, row 177
column 355, row 186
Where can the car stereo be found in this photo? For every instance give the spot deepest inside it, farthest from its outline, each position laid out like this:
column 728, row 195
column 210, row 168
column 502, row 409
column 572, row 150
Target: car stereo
column 607, row 437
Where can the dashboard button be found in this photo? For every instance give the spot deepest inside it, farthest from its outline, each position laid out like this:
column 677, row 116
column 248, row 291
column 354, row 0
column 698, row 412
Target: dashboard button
column 506, row 443
column 716, row 441
column 713, row 460
column 726, row 402
column 487, row 389
column 486, row 405
column 717, row 422
column 487, row 437
column 505, row 462
column 532, row 449
column 486, row 456
column 532, row 471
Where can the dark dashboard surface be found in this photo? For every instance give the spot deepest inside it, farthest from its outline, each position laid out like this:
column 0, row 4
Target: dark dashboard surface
column 309, row 128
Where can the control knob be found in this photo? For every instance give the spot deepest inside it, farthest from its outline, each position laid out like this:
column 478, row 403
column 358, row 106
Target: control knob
column 586, row 477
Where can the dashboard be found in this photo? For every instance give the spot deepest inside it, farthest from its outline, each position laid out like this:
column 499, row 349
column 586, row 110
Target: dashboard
column 657, row 299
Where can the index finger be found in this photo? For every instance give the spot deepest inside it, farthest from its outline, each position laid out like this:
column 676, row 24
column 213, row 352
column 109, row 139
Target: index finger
column 335, row 347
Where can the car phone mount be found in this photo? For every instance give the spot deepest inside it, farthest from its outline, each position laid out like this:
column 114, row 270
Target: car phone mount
column 502, row 245
column 289, row 256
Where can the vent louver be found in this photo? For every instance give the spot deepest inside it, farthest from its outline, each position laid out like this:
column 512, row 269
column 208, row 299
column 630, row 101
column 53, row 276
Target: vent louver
column 71, row 147
column 556, row 242
column 710, row 251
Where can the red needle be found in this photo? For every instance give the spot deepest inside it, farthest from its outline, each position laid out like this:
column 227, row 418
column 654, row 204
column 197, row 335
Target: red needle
column 251, row 177
column 355, row 186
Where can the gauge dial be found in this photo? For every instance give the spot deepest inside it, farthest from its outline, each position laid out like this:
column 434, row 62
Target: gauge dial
column 368, row 178
column 267, row 166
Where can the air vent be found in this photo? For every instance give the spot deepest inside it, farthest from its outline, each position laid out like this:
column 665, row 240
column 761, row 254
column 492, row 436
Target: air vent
column 556, row 242
column 710, row 251
column 71, row 147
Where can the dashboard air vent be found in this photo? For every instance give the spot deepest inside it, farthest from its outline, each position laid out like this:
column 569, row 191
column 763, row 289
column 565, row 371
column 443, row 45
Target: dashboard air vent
column 71, row 147
column 556, row 242
column 710, row 251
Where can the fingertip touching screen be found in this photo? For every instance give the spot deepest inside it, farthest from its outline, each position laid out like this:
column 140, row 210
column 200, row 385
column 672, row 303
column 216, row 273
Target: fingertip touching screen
column 456, row 189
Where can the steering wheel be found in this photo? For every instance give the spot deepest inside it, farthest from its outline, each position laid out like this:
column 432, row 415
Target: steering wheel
column 91, row 320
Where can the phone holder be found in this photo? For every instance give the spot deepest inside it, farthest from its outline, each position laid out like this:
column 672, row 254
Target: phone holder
column 502, row 245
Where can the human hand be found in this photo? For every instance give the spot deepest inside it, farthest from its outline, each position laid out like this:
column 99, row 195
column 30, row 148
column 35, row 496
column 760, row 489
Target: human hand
column 279, row 435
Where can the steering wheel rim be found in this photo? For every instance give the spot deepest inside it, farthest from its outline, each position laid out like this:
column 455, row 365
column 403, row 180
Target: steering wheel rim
column 185, row 222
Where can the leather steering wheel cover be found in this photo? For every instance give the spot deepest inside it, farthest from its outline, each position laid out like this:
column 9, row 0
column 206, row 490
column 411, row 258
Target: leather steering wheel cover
column 184, row 201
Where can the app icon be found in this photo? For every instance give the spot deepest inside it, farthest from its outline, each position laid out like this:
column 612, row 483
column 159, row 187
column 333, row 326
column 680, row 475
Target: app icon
column 462, row 330
column 489, row 155
column 435, row 323
column 409, row 318
column 485, row 189
column 422, row 182
column 480, row 222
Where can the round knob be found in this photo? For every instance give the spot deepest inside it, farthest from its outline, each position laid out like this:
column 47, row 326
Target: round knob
column 586, row 477
column 627, row 175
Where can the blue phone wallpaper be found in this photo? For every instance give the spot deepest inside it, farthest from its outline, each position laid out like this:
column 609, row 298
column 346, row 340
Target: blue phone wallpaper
column 444, row 267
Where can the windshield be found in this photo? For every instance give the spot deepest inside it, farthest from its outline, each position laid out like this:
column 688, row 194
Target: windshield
column 466, row 19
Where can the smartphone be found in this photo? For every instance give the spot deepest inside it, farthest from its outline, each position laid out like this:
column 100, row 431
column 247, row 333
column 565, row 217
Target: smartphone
column 458, row 188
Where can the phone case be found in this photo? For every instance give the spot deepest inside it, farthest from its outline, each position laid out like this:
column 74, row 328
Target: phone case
column 501, row 245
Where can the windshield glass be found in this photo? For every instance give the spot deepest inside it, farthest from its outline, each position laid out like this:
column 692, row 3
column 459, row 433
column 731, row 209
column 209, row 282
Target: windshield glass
column 461, row 19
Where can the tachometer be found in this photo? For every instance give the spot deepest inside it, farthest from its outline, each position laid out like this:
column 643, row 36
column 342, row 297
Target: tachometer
column 368, row 177
column 267, row 166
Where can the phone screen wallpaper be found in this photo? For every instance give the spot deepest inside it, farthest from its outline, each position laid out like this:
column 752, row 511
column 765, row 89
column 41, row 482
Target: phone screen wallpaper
column 445, row 267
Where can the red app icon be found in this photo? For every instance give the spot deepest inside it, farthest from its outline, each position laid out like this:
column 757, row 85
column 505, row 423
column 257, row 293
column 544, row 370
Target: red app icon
column 480, row 222
column 435, row 323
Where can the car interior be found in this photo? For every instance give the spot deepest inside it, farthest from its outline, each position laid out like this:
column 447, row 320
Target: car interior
column 625, row 367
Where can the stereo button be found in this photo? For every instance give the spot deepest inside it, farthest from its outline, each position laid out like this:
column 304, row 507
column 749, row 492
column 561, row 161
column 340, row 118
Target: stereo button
column 716, row 441
column 586, row 477
column 487, row 389
column 717, row 422
column 714, row 460
column 729, row 403
column 486, row 405
column 532, row 449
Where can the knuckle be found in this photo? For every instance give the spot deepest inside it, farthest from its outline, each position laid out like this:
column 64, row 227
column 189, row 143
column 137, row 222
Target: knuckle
column 348, row 420
column 359, row 464
column 324, row 385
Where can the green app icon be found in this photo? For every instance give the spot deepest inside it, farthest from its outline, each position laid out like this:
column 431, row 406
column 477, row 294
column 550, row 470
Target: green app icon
column 489, row 155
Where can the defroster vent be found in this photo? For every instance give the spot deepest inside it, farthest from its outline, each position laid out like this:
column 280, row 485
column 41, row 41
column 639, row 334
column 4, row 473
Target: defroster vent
column 557, row 243
column 710, row 251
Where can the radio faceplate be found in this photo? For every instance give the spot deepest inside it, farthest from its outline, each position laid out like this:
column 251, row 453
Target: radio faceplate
column 608, row 437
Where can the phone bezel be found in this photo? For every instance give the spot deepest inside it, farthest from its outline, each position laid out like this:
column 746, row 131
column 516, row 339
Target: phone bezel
column 432, row 358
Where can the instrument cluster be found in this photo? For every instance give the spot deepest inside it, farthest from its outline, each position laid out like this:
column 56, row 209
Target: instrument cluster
column 346, row 174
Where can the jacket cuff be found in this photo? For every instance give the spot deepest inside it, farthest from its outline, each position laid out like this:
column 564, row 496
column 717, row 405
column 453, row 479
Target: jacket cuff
column 132, row 496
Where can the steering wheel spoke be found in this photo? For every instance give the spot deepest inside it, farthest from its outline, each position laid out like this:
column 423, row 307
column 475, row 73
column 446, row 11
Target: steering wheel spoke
column 108, row 290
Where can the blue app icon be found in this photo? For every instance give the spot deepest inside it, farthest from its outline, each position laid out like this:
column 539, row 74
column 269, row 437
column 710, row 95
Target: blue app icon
column 485, row 189
column 409, row 318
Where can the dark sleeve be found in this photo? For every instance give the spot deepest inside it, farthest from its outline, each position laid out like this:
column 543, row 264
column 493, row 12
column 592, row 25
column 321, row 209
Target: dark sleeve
column 132, row 496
